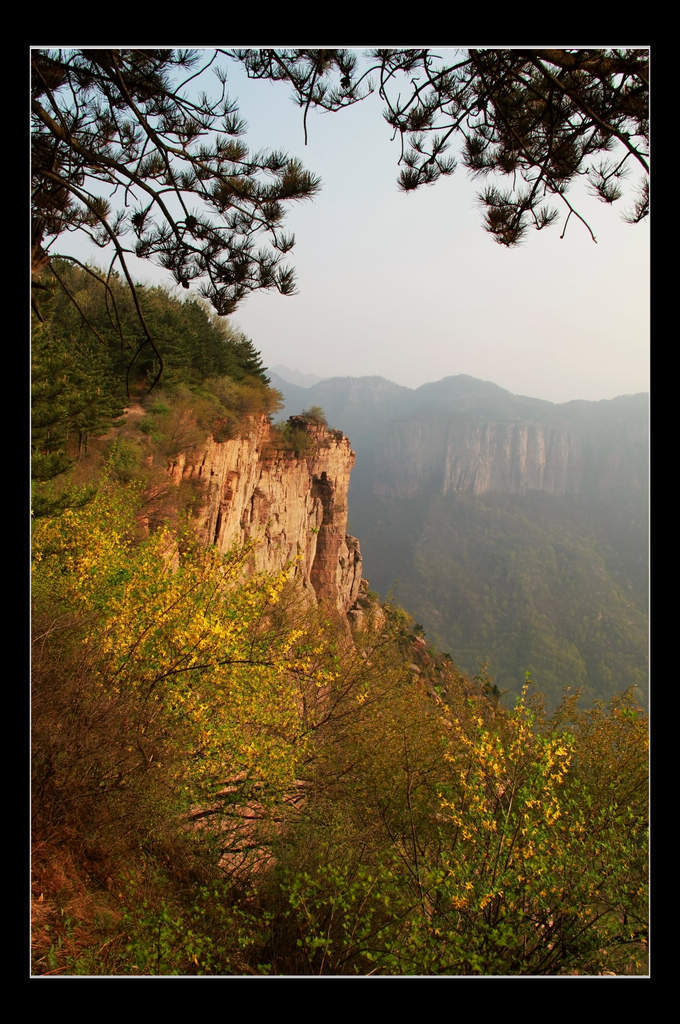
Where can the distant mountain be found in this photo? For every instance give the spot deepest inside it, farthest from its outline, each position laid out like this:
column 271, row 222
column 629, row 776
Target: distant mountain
column 304, row 380
column 514, row 529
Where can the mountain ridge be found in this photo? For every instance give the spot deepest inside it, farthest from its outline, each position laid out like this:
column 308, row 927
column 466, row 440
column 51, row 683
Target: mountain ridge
column 524, row 520
column 280, row 378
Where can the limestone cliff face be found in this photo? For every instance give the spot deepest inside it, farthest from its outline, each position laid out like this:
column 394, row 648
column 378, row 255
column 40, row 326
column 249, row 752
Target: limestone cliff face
column 466, row 436
column 511, row 458
column 293, row 507
column 469, row 456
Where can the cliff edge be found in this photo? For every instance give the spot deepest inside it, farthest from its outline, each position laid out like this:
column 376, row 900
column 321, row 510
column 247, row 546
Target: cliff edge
column 293, row 505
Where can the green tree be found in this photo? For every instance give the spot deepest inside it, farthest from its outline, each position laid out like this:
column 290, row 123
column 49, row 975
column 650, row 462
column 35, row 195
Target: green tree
column 316, row 414
column 151, row 658
column 247, row 360
column 466, row 840
column 122, row 151
column 100, row 318
column 536, row 119
column 84, row 371
column 73, row 396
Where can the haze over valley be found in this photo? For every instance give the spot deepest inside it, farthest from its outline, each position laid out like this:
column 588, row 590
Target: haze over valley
column 515, row 530
column 339, row 511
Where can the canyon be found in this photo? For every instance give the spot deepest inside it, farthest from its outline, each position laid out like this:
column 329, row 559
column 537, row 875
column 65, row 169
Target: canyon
column 515, row 530
column 466, row 436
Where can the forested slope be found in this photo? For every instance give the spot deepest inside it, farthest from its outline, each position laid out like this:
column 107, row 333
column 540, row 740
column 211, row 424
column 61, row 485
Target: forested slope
column 224, row 782
column 515, row 530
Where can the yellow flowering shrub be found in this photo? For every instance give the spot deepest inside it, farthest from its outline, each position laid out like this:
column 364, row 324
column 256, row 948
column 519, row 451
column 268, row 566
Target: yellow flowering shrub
column 174, row 690
column 216, row 690
column 505, row 843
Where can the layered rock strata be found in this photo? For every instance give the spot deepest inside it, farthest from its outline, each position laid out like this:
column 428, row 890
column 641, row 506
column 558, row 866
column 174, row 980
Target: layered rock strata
column 292, row 506
column 474, row 457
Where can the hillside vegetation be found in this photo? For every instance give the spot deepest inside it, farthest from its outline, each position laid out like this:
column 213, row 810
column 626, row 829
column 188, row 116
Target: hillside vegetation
column 553, row 581
column 89, row 364
column 226, row 783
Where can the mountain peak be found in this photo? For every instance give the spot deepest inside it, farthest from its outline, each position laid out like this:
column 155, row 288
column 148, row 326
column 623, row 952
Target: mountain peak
column 297, row 377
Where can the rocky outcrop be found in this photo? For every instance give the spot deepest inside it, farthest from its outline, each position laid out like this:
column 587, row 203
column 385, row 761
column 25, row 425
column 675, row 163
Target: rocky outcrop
column 293, row 506
column 466, row 436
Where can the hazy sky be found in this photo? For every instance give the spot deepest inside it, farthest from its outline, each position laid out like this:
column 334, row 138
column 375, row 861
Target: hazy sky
column 410, row 287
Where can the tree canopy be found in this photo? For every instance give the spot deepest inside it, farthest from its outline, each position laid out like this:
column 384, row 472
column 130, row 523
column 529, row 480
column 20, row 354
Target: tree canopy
column 85, row 370
column 126, row 149
column 539, row 119
column 124, row 152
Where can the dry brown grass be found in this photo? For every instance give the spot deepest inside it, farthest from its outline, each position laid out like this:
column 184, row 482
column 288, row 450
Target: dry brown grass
column 74, row 917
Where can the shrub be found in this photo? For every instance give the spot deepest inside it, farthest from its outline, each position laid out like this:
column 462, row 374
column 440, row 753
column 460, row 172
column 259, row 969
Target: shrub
column 316, row 415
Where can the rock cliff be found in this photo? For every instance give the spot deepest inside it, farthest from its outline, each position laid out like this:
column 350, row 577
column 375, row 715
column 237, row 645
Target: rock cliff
column 464, row 455
column 294, row 506
column 468, row 457
column 470, row 437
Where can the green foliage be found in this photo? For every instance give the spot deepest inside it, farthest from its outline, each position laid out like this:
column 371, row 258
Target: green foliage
column 232, row 786
column 291, row 435
column 150, row 736
column 124, row 460
column 178, row 634
column 315, row 414
column 95, row 316
column 295, row 436
column 483, row 844
column 82, row 368
column 121, row 120
column 168, row 930
column 533, row 119
column 73, row 397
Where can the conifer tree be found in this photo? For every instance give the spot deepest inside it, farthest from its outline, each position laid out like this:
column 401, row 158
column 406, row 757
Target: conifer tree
column 248, row 359
column 536, row 119
column 123, row 151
